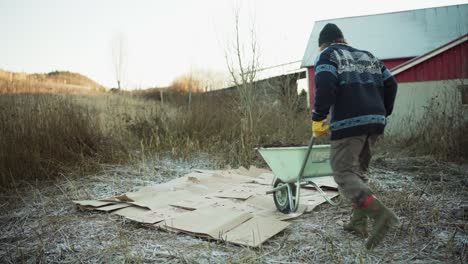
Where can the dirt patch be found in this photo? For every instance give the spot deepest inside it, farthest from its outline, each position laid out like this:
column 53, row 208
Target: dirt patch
column 39, row 223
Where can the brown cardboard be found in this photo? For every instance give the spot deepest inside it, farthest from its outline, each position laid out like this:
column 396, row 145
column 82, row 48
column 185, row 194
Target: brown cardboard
column 130, row 212
column 263, row 202
column 197, row 203
column 152, row 217
column 92, row 203
column 213, row 222
column 255, row 172
column 158, row 200
column 228, row 205
column 313, row 201
column 325, row 181
column 234, row 204
column 236, row 193
column 255, row 231
column 113, row 207
column 264, row 178
column 280, row 216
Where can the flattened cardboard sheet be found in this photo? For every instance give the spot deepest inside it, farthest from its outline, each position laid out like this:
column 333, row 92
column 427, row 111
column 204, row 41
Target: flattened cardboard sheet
column 313, row 201
column 234, row 204
column 207, row 171
column 153, row 217
column 263, row 202
column 158, row 200
column 232, row 178
column 131, row 212
column 280, row 216
column 237, row 193
column 256, row 189
column 254, row 171
column 264, row 178
column 197, row 203
column 92, row 203
column 113, row 207
column 325, row 181
column 255, row 231
column 230, row 205
column 213, row 222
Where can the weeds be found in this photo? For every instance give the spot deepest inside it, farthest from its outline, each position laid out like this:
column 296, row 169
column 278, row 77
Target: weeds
column 40, row 134
column 43, row 136
column 441, row 129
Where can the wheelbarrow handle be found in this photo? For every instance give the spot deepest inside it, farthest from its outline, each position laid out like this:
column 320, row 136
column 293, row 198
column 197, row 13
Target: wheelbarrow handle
column 304, row 162
column 294, row 205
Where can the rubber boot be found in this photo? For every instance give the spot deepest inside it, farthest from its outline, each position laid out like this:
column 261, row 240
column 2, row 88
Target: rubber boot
column 358, row 223
column 382, row 218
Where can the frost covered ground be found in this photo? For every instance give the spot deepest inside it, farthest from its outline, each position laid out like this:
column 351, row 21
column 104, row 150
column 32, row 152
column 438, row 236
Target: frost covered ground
column 39, row 223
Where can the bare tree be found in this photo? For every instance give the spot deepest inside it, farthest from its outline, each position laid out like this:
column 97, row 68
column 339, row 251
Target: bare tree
column 119, row 57
column 242, row 65
column 284, row 88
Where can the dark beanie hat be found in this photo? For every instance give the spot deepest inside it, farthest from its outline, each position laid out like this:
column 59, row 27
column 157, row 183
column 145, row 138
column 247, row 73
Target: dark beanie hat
column 329, row 33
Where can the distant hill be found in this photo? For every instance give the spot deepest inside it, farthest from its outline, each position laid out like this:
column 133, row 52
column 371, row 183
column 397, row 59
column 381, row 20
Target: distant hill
column 52, row 82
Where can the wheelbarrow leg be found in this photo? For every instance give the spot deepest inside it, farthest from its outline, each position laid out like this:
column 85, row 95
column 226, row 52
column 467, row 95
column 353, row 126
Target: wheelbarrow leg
column 324, row 195
column 291, row 198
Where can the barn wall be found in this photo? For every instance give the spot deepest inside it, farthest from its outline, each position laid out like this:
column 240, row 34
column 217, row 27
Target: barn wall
column 311, row 80
column 450, row 64
column 392, row 63
column 419, row 104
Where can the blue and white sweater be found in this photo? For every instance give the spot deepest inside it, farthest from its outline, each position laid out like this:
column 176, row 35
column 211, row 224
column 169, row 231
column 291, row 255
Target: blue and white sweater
column 356, row 87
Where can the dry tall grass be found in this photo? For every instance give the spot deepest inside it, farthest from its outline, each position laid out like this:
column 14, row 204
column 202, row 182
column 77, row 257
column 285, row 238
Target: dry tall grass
column 44, row 135
column 440, row 132
column 212, row 123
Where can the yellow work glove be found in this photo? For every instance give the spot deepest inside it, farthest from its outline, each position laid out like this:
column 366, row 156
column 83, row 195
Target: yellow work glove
column 319, row 129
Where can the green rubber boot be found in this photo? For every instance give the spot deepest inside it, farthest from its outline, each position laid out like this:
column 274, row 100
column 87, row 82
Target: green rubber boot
column 358, row 223
column 383, row 219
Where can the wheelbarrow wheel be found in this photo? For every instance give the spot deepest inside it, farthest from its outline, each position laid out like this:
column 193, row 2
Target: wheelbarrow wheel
column 281, row 197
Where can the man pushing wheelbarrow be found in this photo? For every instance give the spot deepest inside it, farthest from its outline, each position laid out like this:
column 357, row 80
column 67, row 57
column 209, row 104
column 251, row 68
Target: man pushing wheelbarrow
column 359, row 91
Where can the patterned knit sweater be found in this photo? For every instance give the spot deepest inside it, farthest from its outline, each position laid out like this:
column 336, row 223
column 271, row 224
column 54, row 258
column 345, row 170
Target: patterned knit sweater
column 356, row 87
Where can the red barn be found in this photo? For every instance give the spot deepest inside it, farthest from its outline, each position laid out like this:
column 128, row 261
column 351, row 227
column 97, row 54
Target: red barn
column 447, row 62
column 425, row 49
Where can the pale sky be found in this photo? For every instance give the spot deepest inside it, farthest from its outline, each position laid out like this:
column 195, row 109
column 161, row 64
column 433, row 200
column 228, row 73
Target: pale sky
column 164, row 38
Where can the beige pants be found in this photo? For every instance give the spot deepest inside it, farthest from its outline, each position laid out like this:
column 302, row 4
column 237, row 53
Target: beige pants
column 350, row 158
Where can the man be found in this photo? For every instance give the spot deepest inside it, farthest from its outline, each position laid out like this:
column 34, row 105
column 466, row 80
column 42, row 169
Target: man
column 359, row 91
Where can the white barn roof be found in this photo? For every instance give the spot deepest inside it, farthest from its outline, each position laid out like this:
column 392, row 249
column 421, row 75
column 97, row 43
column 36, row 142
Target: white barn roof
column 278, row 70
column 396, row 35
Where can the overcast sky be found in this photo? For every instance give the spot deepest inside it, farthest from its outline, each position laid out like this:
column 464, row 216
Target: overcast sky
column 164, row 38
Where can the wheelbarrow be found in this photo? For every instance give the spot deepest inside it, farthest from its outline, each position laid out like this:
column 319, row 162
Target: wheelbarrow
column 295, row 167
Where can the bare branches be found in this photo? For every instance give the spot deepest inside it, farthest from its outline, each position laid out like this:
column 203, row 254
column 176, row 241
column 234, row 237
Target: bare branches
column 119, row 58
column 242, row 65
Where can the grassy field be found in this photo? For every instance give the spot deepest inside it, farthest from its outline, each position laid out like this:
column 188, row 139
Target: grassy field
column 45, row 135
column 58, row 148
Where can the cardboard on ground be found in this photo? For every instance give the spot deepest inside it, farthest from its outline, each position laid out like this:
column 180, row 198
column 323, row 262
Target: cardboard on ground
column 255, row 231
column 229, row 205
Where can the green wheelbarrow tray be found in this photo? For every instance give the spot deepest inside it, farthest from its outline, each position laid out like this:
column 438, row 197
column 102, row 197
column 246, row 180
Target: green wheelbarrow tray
column 295, row 167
